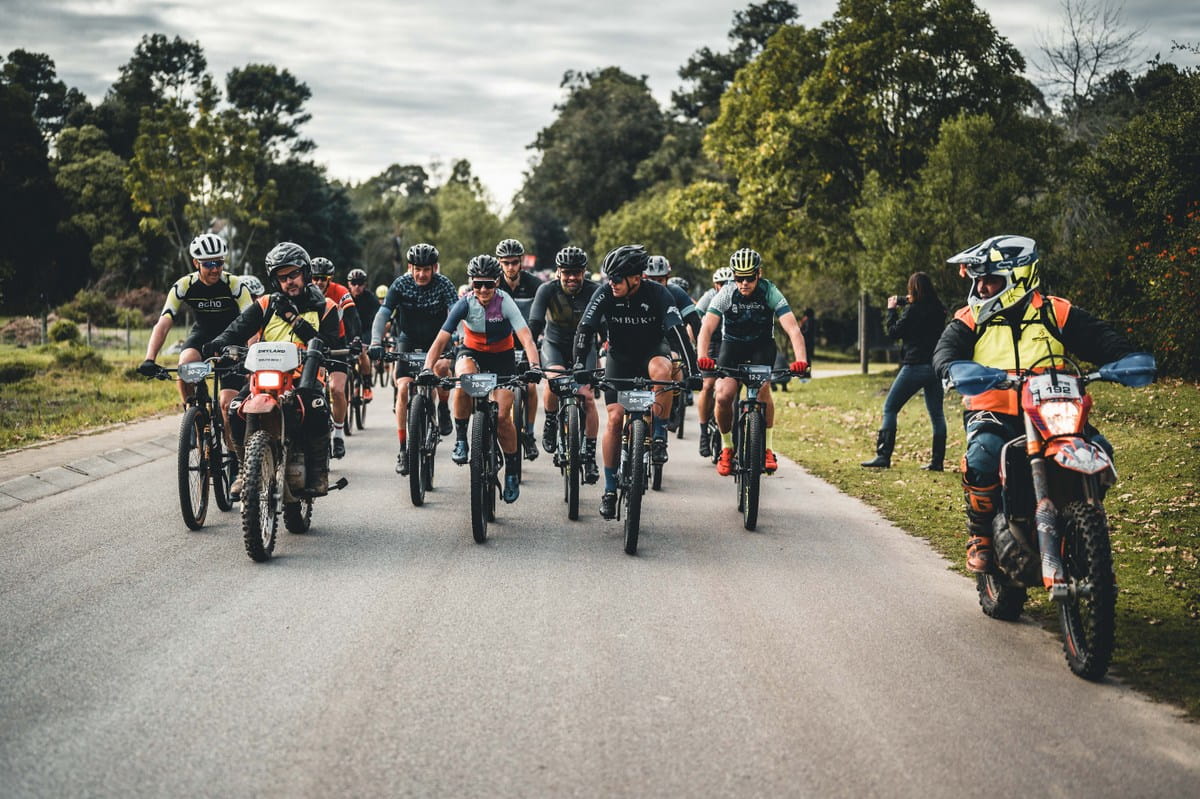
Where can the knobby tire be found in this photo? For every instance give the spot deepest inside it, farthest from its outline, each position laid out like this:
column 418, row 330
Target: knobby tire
column 637, row 484
column 193, row 469
column 480, row 479
column 417, row 420
column 572, row 469
column 260, row 515
column 1088, row 622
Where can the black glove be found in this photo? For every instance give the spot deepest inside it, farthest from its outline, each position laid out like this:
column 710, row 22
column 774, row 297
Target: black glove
column 209, row 349
column 284, row 306
column 355, row 346
column 694, row 382
column 427, row 378
column 375, row 352
column 532, row 376
column 582, row 376
column 148, row 368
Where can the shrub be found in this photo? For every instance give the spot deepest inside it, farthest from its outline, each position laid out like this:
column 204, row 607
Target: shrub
column 83, row 359
column 24, row 330
column 65, row 331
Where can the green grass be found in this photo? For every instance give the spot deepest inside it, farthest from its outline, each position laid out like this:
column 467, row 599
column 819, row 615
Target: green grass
column 51, row 391
column 829, row 426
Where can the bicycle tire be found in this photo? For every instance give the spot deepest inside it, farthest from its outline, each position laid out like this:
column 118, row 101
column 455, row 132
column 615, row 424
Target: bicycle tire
column 480, row 479
column 637, row 484
column 415, row 444
column 348, row 422
column 518, row 415
column 260, row 511
column 192, row 468
column 572, row 468
column 222, row 464
column 751, row 465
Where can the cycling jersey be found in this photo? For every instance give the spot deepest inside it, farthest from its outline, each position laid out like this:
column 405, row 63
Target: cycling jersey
column 637, row 323
column 526, row 289
column 214, row 306
column 419, row 310
column 486, row 328
column 687, row 307
column 749, row 318
column 366, row 305
column 344, row 301
column 557, row 313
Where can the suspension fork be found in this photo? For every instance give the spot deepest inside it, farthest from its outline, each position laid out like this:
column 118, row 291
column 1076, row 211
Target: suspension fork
column 1045, row 516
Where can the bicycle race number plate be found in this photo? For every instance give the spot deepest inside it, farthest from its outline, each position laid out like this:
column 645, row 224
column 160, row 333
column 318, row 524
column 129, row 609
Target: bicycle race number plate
column 278, row 356
column 563, row 385
column 1045, row 388
column 195, row 371
column 635, row 401
column 478, row 385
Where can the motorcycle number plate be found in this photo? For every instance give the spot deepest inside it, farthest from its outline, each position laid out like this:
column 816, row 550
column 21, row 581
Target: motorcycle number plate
column 636, row 401
column 278, row 356
column 1045, row 388
column 478, row 385
column 194, row 372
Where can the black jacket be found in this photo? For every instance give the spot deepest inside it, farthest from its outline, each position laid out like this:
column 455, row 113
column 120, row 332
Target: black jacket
column 920, row 325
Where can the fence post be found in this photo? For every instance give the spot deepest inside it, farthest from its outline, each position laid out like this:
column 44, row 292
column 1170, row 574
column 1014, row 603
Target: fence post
column 864, row 347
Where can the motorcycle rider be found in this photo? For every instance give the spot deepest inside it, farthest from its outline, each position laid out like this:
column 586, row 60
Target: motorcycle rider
column 296, row 311
column 523, row 287
column 1009, row 323
column 557, row 309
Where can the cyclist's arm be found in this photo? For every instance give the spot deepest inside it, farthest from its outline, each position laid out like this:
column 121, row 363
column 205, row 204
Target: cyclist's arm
column 537, row 313
column 589, row 323
column 436, row 348
column 791, row 326
column 350, row 319
column 158, row 335
column 531, row 353
column 957, row 343
column 379, row 325
column 707, row 328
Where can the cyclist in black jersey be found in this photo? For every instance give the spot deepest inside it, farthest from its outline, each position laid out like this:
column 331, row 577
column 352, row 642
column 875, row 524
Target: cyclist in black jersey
column 522, row 286
column 416, row 304
column 557, row 309
column 704, row 399
column 215, row 297
column 365, row 306
column 640, row 318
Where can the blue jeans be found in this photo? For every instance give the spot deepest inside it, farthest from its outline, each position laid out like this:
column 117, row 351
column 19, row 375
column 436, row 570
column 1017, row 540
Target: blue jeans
column 911, row 379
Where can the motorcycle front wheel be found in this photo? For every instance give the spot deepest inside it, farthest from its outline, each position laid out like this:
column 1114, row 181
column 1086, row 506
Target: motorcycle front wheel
column 260, row 506
column 1088, row 614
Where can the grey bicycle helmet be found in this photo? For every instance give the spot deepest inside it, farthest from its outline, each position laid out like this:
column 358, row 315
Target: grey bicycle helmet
column 483, row 267
column 509, row 248
column 322, row 267
column 657, row 266
column 571, row 258
column 288, row 253
column 625, row 261
column 423, row 255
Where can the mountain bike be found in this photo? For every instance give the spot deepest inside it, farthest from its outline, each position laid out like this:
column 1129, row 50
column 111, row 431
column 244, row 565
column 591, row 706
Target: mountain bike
column 204, row 457
column 568, row 450
column 486, row 457
column 750, row 435
column 357, row 414
column 422, row 436
column 637, row 401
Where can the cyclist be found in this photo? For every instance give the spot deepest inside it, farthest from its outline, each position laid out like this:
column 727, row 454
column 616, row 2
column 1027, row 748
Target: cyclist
column 657, row 269
column 365, row 307
column 416, row 304
column 747, row 311
column 704, row 402
column 489, row 321
column 322, row 273
column 640, row 319
column 1009, row 323
column 556, row 312
column 522, row 286
column 253, row 285
column 216, row 298
column 297, row 311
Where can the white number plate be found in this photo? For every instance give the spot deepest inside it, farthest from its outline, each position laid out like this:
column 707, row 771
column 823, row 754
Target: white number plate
column 278, row 356
column 478, row 384
column 195, row 371
column 1044, row 388
column 636, row 401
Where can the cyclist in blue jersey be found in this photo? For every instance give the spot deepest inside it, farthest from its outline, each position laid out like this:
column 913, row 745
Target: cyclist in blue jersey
column 747, row 310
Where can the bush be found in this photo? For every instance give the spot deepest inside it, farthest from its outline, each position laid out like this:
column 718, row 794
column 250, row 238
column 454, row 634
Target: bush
column 144, row 300
column 82, row 359
column 15, row 372
column 24, row 330
column 65, row 331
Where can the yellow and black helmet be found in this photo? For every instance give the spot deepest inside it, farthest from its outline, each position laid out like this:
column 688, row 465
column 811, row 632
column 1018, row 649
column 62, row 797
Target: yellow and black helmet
column 1012, row 258
column 745, row 262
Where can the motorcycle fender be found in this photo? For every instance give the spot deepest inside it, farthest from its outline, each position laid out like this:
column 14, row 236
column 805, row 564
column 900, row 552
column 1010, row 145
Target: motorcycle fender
column 259, row 403
column 1079, row 455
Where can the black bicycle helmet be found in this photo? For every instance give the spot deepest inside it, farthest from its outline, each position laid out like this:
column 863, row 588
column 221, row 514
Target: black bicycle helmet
column 510, row 248
column 423, row 255
column 322, row 267
column 287, row 253
column 625, row 261
column 657, row 266
column 483, row 267
column 571, row 258
column 681, row 282
column 356, row 275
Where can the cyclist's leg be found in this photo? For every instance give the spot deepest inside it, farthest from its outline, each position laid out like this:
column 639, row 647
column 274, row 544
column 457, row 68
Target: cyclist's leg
column 190, row 353
column 506, row 431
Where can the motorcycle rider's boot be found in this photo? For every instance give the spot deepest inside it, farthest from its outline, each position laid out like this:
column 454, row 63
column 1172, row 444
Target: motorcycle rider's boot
column 445, row 423
column 938, row 455
column 402, row 461
column 983, row 502
column 316, row 470
column 885, row 442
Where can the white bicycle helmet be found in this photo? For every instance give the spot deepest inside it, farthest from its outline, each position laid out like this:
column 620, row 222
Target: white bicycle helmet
column 208, row 247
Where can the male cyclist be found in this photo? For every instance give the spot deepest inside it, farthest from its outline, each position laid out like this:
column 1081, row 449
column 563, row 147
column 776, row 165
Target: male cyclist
column 522, row 286
column 365, row 306
column 1009, row 323
column 658, row 269
column 416, row 304
column 704, row 402
column 641, row 318
column 322, row 272
column 747, row 311
column 298, row 312
column 556, row 311
column 489, row 320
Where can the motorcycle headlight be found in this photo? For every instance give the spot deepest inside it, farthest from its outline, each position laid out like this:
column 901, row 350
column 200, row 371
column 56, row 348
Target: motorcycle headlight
column 1061, row 418
column 270, row 380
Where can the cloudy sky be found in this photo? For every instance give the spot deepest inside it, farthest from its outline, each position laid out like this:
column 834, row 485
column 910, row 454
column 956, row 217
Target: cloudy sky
column 417, row 82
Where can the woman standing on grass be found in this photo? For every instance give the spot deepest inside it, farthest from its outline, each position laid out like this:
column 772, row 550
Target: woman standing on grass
column 920, row 325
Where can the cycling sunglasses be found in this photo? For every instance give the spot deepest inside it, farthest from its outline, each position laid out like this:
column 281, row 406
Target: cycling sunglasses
column 745, row 278
column 358, row 282
column 212, row 264
column 483, row 284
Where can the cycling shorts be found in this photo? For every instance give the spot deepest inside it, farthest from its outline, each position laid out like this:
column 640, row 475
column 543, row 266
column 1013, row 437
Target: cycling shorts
column 617, row 367
column 736, row 353
column 500, row 363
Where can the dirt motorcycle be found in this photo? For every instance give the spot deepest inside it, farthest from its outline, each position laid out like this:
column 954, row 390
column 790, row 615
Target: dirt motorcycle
column 1051, row 530
column 273, row 477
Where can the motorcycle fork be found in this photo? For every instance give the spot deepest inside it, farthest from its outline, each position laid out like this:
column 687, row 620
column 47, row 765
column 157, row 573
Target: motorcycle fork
column 1045, row 517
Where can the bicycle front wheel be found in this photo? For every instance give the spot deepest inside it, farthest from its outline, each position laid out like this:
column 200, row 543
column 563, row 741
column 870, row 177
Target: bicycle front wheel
column 637, row 484
column 572, row 468
column 415, row 444
column 193, row 467
column 751, row 460
column 481, row 479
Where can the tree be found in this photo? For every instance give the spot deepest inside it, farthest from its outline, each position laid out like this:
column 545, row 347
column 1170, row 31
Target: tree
column 273, row 101
column 313, row 212
column 52, row 101
column 607, row 125
column 642, row 220
column 467, row 224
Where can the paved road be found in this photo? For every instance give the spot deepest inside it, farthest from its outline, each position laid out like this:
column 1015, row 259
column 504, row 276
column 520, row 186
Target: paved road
column 384, row 653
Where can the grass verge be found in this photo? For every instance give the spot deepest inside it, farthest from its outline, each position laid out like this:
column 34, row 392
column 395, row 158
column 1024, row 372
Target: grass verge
column 58, row 390
column 829, row 426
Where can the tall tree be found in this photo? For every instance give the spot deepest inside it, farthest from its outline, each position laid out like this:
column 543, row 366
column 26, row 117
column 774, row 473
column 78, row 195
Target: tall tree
column 52, row 101
column 273, row 101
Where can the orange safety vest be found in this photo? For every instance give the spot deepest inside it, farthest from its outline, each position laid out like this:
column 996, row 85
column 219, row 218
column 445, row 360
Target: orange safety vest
column 1005, row 344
